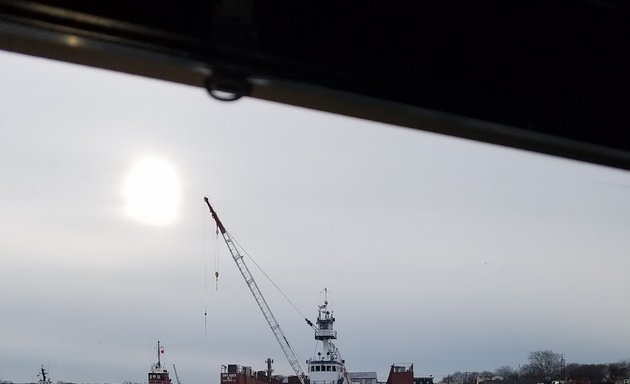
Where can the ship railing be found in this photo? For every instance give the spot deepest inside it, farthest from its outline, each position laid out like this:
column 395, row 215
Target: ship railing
column 327, row 332
column 323, row 381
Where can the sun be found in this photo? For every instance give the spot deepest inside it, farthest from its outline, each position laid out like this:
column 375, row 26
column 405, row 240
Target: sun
column 152, row 192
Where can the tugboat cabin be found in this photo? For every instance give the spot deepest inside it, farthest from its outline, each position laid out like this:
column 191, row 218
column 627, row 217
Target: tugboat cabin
column 159, row 378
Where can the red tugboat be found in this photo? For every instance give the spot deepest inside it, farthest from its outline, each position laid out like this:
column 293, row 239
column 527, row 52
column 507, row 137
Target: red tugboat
column 157, row 374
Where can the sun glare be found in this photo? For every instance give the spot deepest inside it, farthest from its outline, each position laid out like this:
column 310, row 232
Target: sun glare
column 152, row 192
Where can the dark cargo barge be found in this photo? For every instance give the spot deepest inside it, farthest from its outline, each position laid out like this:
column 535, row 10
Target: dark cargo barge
column 236, row 374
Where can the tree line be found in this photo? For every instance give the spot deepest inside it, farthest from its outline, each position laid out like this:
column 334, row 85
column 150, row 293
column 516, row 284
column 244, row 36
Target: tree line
column 545, row 367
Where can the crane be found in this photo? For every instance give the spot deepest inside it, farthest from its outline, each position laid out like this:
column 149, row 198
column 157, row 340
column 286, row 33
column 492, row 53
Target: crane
column 176, row 375
column 258, row 296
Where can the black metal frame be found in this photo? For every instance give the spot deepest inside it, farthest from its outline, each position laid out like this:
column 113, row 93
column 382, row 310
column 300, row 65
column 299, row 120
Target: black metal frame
column 543, row 75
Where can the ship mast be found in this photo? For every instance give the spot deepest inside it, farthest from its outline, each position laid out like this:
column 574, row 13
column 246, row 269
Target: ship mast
column 45, row 379
column 327, row 367
column 324, row 330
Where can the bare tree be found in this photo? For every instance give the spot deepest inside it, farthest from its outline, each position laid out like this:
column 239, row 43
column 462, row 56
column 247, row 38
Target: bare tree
column 507, row 372
column 461, row 378
column 544, row 364
column 618, row 371
column 594, row 372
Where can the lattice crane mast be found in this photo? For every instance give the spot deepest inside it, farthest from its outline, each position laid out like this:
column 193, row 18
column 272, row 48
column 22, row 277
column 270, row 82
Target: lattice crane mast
column 258, row 296
column 176, row 375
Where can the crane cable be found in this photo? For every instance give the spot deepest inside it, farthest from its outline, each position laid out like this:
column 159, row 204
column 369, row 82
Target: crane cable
column 273, row 283
column 216, row 260
column 205, row 281
column 315, row 349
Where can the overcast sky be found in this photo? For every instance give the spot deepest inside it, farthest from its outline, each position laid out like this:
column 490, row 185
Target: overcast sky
column 442, row 252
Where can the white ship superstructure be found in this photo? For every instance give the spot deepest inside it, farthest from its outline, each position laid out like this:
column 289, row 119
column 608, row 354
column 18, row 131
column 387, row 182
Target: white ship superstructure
column 327, row 367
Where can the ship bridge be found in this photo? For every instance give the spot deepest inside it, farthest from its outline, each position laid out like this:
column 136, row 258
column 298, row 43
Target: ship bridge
column 325, row 329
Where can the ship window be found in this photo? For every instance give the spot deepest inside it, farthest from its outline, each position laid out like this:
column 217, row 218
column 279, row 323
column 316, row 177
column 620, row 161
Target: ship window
column 328, row 367
column 317, row 368
column 312, row 369
column 334, row 368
